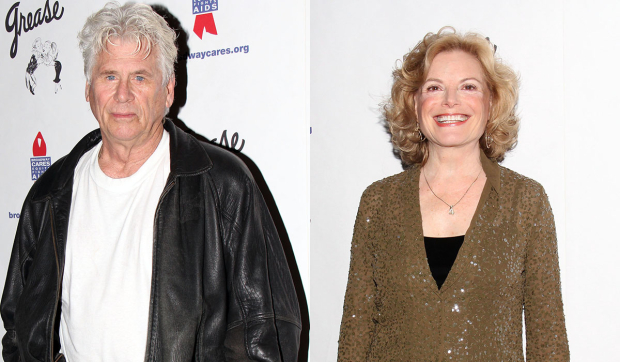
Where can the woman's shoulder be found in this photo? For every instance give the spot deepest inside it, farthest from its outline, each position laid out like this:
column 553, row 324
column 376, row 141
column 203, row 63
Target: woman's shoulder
column 388, row 192
column 512, row 180
column 391, row 183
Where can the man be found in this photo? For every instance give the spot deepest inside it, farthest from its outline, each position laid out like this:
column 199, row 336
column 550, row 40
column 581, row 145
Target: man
column 143, row 243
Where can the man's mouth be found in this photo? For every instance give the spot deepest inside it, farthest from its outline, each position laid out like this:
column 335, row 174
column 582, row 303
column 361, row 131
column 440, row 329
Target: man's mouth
column 123, row 115
column 451, row 118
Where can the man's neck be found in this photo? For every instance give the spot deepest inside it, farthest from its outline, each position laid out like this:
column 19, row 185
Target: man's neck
column 119, row 160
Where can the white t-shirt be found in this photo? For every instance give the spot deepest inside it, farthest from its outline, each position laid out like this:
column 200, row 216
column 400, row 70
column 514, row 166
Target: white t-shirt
column 106, row 282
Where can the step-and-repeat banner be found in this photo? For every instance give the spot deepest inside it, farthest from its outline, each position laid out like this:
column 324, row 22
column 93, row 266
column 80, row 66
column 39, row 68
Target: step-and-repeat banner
column 241, row 84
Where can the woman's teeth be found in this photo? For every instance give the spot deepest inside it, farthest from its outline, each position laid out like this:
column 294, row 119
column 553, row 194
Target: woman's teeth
column 453, row 118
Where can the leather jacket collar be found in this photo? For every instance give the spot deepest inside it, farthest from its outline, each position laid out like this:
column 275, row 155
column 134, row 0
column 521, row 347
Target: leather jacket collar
column 181, row 144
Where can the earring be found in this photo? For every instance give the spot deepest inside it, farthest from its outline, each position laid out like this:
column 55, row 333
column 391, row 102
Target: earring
column 488, row 140
column 420, row 134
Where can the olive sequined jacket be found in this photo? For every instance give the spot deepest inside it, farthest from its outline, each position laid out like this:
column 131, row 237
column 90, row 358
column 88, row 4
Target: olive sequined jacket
column 508, row 264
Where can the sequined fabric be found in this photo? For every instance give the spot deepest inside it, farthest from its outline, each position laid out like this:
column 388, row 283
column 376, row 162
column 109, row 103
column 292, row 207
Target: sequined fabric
column 393, row 310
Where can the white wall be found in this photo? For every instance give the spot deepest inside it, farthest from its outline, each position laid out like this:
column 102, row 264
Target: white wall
column 591, row 94
column 566, row 54
column 261, row 95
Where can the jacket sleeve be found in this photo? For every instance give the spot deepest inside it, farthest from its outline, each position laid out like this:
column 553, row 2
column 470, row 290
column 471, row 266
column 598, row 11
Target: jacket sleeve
column 262, row 289
column 12, row 290
column 358, row 318
column 14, row 285
column 544, row 313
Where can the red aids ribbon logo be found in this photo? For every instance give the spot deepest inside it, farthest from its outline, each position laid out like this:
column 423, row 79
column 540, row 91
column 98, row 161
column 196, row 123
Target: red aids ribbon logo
column 203, row 9
column 39, row 148
column 204, row 22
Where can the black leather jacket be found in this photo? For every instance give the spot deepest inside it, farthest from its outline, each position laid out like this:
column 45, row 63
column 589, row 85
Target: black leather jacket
column 221, row 289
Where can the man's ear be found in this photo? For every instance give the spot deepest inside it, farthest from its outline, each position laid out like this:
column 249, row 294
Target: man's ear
column 87, row 92
column 170, row 91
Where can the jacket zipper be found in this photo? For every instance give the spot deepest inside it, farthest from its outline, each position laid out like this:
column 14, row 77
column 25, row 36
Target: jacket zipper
column 59, row 277
column 163, row 194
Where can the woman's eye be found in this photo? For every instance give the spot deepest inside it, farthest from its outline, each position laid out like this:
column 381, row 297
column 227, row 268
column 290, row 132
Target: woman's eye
column 432, row 88
column 470, row 87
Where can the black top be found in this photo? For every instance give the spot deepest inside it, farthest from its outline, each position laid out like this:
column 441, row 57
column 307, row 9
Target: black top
column 441, row 254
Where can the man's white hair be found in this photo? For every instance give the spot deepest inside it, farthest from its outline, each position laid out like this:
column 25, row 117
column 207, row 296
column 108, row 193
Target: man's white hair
column 137, row 23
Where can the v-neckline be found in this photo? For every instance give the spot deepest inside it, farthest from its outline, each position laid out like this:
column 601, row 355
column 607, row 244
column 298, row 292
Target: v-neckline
column 414, row 212
column 441, row 253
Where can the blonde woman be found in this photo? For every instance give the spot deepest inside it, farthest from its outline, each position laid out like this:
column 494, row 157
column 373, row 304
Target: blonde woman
column 448, row 254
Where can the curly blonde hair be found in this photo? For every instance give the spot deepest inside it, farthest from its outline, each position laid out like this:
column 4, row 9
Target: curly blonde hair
column 501, row 80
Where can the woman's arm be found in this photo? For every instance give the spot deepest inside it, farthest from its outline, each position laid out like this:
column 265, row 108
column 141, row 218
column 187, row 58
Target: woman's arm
column 544, row 312
column 358, row 326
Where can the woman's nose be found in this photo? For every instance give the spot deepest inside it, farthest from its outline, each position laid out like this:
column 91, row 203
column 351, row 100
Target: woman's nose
column 450, row 97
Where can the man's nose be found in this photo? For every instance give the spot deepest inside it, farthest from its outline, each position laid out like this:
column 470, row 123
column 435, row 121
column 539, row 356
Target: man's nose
column 123, row 92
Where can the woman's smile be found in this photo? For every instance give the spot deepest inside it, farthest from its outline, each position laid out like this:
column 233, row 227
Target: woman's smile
column 449, row 120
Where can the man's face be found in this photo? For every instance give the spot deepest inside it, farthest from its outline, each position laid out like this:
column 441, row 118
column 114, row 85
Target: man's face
column 126, row 94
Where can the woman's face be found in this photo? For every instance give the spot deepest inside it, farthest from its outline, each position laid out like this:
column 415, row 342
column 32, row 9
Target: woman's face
column 453, row 105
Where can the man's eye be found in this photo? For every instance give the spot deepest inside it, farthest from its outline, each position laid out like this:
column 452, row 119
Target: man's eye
column 110, row 77
column 139, row 78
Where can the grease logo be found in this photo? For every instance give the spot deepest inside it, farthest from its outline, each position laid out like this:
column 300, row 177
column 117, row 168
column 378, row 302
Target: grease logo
column 39, row 163
column 16, row 21
column 203, row 9
column 43, row 54
column 232, row 145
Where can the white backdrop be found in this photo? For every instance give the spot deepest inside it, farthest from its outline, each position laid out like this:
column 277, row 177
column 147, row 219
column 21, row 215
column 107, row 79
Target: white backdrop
column 566, row 54
column 258, row 92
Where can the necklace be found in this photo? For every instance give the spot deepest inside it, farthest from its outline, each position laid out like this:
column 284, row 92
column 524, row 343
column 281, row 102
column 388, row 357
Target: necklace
column 451, row 211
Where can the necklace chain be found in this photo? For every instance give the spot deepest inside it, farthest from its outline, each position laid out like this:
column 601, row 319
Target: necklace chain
column 451, row 211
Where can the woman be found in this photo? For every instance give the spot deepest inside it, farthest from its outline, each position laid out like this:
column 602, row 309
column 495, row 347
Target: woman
column 447, row 255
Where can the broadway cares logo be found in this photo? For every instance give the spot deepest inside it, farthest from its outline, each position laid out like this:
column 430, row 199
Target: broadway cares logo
column 39, row 163
column 204, row 22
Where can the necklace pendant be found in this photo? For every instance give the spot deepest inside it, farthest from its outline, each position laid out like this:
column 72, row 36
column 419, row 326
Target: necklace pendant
column 451, row 212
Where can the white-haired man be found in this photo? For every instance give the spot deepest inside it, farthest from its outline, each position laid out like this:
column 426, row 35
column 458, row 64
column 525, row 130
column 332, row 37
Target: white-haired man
column 143, row 244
